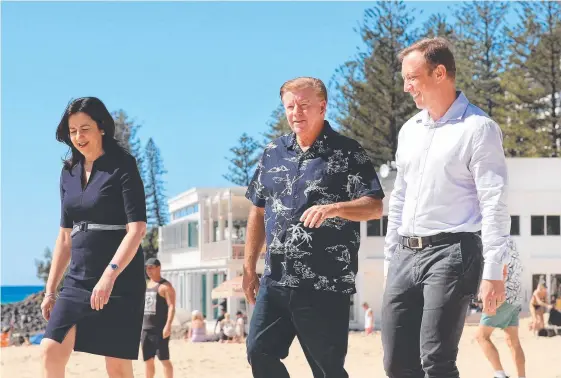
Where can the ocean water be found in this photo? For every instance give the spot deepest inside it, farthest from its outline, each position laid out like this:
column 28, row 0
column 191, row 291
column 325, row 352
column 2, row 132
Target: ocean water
column 10, row 294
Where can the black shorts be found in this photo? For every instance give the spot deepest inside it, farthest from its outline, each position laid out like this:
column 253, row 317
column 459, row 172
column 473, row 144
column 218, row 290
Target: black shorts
column 153, row 344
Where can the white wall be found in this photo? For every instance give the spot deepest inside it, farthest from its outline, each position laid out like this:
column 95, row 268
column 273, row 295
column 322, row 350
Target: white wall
column 535, row 189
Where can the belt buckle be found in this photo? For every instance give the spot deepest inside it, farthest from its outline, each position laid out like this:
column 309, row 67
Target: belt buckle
column 418, row 244
column 84, row 226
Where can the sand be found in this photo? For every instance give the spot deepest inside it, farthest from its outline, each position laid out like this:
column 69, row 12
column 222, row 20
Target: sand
column 214, row 360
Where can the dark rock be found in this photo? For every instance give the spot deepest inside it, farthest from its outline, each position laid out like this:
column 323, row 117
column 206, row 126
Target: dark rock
column 25, row 317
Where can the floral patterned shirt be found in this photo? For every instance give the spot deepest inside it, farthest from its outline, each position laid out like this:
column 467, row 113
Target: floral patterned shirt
column 288, row 181
column 513, row 282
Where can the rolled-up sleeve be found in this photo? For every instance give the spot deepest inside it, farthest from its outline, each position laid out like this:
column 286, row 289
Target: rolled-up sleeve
column 255, row 190
column 65, row 220
column 363, row 177
column 132, row 187
column 489, row 170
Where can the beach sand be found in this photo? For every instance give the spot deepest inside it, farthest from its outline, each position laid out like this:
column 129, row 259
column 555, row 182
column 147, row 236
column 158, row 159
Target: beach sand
column 364, row 359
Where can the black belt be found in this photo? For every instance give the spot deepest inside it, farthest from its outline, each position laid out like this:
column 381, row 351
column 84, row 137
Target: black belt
column 420, row 242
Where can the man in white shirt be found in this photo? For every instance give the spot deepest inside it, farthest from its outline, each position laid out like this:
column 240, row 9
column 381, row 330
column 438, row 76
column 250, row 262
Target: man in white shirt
column 450, row 188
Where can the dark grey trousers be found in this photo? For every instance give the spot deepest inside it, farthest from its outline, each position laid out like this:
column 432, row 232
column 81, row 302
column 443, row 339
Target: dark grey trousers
column 424, row 307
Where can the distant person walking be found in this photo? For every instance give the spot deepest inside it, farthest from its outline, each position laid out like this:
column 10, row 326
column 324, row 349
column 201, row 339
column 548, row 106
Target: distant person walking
column 159, row 310
column 506, row 318
column 368, row 319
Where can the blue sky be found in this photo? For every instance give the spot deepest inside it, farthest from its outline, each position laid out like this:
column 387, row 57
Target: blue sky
column 194, row 75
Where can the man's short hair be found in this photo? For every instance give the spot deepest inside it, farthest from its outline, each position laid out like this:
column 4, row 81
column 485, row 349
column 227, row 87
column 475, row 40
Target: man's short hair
column 305, row 82
column 436, row 51
column 152, row 262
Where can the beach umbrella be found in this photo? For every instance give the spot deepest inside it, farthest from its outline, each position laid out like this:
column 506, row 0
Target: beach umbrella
column 229, row 289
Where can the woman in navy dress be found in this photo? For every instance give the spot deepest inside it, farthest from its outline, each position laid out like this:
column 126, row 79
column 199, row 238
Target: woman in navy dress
column 99, row 309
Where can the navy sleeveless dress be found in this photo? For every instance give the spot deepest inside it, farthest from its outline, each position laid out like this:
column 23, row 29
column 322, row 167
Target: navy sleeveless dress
column 114, row 195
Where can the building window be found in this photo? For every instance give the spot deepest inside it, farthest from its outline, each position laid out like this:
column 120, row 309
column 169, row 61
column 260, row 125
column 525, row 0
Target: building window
column 374, row 227
column 193, row 231
column 553, row 225
column 203, row 292
column 215, row 301
column 184, row 211
column 377, row 227
column 538, row 223
column 515, row 225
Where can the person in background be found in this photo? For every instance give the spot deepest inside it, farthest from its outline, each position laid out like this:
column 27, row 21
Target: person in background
column 368, row 319
column 505, row 318
column 159, row 310
column 538, row 306
column 218, row 324
column 240, row 327
column 197, row 328
column 228, row 329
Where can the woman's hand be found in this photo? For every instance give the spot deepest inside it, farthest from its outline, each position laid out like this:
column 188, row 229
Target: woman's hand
column 102, row 292
column 47, row 306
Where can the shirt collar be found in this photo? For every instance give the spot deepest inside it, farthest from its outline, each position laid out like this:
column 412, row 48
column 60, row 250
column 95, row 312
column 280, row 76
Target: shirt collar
column 455, row 112
column 325, row 136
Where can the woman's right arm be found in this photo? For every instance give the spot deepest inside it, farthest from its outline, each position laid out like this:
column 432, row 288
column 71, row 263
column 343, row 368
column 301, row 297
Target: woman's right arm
column 60, row 260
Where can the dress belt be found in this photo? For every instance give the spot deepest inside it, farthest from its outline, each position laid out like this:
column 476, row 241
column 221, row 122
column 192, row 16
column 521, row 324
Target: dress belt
column 420, row 242
column 85, row 226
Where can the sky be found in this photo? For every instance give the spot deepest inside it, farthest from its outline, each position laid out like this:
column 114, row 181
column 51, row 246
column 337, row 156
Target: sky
column 194, row 75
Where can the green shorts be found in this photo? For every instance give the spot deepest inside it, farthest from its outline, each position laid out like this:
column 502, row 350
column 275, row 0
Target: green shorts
column 507, row 315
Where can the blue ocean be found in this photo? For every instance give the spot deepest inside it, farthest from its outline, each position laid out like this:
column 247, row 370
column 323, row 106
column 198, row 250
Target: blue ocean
column 10, row 294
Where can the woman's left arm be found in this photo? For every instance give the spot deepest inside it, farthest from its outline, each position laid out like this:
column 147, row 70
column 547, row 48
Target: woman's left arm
column 134, row 202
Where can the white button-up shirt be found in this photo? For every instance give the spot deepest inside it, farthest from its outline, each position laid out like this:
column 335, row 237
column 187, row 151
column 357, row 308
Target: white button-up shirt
column 451, row 177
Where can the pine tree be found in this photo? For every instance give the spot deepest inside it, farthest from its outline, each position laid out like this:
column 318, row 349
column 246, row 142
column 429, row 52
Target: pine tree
column 482, row 46
column 536, row 44
column 44, row 265
column 370, row 103
column 522, row 135
column 126, row 132
column 438, row 26
column 150, row 245
column 278, row 125
column 156, row 207
column 243, row 162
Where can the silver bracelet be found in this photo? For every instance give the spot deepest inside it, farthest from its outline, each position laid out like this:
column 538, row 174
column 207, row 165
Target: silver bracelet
column 51, row 295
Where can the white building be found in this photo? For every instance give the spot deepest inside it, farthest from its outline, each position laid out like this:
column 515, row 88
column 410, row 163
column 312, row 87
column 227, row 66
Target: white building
column 199, row 250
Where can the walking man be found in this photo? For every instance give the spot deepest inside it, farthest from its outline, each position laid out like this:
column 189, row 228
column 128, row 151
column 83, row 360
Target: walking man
column 159, row 310
column 506, row 318
column 448, row 222
column 310, row 191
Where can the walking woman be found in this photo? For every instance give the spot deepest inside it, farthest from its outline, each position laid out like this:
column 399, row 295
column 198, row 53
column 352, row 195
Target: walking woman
column 99, row 309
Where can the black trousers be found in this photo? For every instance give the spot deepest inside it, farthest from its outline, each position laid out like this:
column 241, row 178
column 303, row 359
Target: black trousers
column 319, row 319
column 424, row 307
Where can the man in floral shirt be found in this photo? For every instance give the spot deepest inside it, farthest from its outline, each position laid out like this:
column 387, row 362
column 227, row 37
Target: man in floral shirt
column 310, row 191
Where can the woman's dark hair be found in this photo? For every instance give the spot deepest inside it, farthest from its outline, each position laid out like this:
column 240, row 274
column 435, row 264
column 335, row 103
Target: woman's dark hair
column 97, row 111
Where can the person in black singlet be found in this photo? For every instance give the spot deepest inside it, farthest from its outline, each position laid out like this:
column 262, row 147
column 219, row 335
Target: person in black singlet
column 159, row 310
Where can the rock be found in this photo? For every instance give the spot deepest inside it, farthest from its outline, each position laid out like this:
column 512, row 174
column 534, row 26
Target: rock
column 24, row 316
